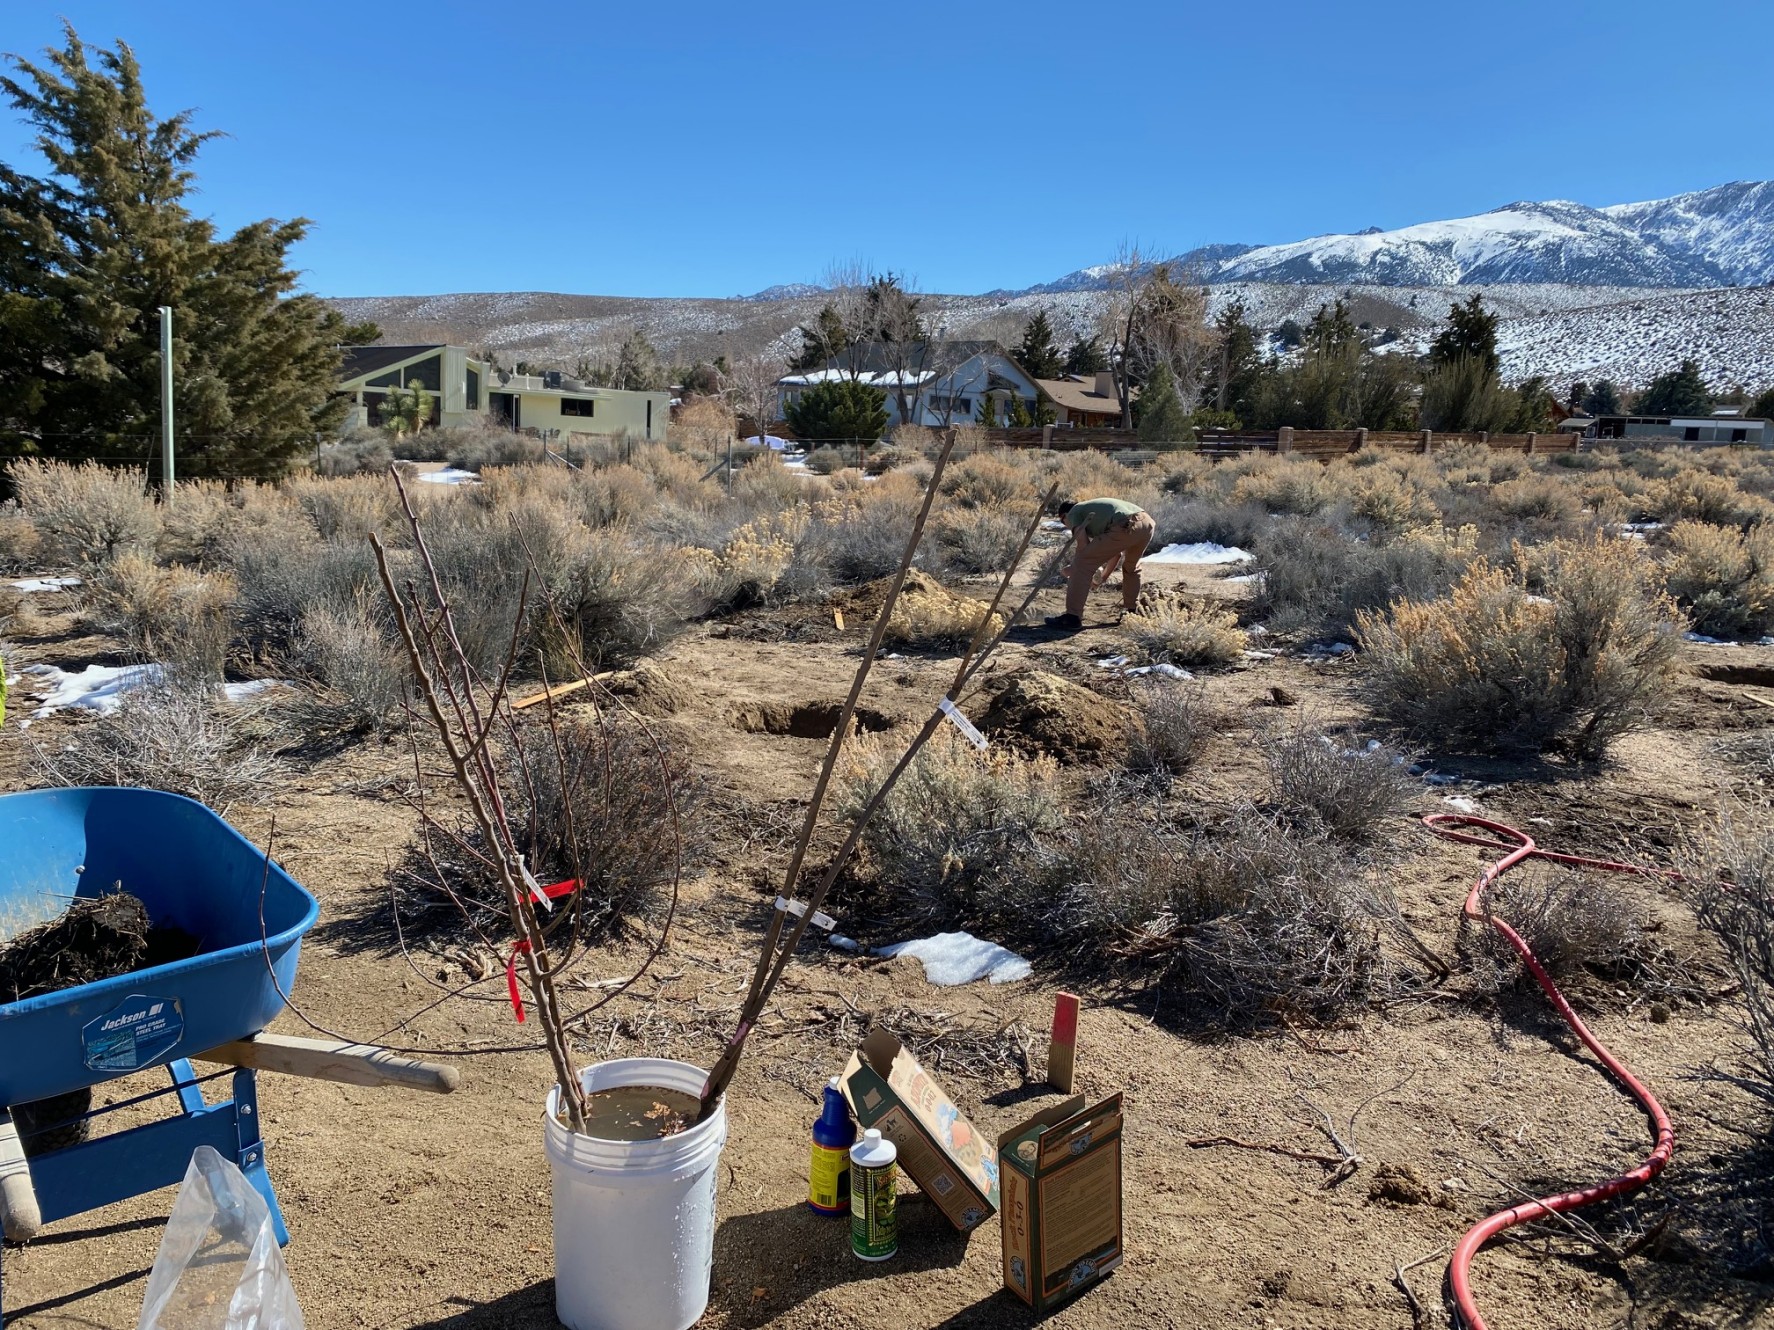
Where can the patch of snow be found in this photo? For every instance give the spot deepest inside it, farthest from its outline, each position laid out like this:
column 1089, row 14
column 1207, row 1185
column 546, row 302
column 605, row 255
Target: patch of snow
column 1704, row 640
column 769, row 441
column 97, row 688
column 1439, row 778
column 450, row 476
column 1052, row 524
column 961, row 958
column 1261, row 655
column 236, row 692
column 1328, row 650
column 45, row 583
column 843, row 943
column 1112, row 662
column 1168, row 670
column 1244, row 577
column 1460, row 802
column 1203, row 552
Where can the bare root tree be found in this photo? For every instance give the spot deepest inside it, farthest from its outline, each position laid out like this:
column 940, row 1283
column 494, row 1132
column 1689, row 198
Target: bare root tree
column 493, row 766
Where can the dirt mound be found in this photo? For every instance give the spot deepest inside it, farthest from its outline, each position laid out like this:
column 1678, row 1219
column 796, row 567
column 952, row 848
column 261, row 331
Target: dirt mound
column 650, row 690
column 96, row 939
column 1039, row 712
column 804, row 720
column 1400, row 1184
column 927, row 613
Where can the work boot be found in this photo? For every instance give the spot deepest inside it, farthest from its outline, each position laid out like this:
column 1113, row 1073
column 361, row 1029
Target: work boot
column 1064, row 623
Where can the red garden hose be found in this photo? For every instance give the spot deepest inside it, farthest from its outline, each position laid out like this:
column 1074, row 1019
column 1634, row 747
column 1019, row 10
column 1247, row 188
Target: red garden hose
column 1521, row 847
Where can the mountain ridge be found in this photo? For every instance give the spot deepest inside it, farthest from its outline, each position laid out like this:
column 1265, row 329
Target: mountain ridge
column 1718, row 237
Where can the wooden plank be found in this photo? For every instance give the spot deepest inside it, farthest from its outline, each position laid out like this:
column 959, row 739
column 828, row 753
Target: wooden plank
column 331, row 1060
column 560, row 690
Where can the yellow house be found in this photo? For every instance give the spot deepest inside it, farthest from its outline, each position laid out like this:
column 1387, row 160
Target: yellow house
column 466, row 391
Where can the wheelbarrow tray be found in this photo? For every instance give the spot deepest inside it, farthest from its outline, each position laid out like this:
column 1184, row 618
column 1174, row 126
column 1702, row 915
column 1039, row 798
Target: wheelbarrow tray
column 192, row 871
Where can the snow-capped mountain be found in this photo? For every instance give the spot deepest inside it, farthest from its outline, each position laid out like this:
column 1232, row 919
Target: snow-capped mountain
column 1715, row 237
column 1521, row 242
column 1730, row 227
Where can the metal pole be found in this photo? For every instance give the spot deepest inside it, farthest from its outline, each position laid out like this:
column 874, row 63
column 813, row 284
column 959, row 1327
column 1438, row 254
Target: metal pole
column 166, row 402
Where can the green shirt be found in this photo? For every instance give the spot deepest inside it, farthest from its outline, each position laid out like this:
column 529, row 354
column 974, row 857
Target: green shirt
column 1094, row 516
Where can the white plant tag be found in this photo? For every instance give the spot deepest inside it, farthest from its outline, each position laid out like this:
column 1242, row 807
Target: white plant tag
column 534, row 886
column 799, row 908
column 962, row 724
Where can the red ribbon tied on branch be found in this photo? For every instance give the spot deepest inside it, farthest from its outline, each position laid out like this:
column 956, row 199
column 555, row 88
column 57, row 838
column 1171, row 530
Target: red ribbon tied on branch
column 554, row 892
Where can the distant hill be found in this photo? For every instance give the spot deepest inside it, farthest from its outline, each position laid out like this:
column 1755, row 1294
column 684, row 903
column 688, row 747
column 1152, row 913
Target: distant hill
column 1623, row 292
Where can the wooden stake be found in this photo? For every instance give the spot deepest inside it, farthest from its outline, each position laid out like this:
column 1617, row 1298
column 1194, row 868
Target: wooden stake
column 1062, row 1045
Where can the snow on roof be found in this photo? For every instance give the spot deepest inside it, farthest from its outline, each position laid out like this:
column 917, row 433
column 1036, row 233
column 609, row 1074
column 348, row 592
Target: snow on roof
column 880, row 379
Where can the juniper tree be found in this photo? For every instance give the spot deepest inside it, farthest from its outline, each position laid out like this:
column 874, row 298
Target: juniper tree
column 1681, row 392
column 1036, row 353
column 1471, row 333
column 91, row 250
column 1085, row 356
column 838, row 411
column 1162, row 418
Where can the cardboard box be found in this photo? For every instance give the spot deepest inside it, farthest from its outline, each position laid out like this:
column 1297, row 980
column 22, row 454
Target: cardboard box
column 1061, row 1200
column 938, row 1148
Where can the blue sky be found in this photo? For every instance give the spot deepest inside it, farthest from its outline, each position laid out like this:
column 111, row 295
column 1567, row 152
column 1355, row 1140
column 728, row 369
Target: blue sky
column 696, row 149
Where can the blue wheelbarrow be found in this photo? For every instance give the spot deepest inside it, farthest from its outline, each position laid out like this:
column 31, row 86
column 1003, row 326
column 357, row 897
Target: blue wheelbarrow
column 194, row 873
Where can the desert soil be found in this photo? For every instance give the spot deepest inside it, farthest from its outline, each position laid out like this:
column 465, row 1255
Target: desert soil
column 409, row 1210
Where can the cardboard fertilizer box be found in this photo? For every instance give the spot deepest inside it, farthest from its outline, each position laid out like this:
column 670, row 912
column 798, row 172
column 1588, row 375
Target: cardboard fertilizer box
column 1061, row 1200
column 938, row 1148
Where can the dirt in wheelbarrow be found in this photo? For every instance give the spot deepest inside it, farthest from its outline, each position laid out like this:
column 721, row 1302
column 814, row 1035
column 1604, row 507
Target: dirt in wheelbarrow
column 97, row 938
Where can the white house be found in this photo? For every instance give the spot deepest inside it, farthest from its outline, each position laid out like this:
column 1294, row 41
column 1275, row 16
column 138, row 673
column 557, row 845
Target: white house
column 937, row 383
column 466, row 391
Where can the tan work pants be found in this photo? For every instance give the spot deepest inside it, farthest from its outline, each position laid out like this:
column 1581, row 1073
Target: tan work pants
column 1127, row 543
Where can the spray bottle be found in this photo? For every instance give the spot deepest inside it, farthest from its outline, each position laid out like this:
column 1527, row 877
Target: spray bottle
column 828, row 1180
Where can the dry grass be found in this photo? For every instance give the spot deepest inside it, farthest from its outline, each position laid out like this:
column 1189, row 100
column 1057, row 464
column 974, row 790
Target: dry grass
column 1174, row 725
column 1732, row 888
column 1185, row 633
column 181, row 739
column 178, row 617
column 1492, row 667
column 1574, row 922
column 87, row 514
column 952, row 842
column 1352, row 790
column 1722, row 577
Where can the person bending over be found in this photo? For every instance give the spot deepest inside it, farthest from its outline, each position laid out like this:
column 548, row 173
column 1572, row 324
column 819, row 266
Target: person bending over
column 1106, row 530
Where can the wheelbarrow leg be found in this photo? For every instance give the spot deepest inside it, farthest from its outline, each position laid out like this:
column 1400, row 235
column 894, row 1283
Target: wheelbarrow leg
column 251, row 1154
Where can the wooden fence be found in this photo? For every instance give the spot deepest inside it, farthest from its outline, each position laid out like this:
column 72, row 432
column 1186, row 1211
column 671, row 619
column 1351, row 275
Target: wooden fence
column 1319, row 444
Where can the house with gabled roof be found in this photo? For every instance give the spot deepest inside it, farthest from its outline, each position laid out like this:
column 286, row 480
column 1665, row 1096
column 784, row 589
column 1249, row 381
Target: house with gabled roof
column 468, row 391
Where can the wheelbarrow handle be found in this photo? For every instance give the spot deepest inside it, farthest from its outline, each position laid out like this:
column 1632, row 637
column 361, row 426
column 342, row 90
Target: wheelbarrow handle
column 20, row 1219
column 331, row 1060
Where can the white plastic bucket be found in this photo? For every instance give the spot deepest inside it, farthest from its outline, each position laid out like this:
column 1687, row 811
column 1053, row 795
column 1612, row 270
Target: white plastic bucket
column 634, row 1221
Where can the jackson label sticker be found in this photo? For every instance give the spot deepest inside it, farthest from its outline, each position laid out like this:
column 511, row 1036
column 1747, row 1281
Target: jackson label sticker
column 138, row 1032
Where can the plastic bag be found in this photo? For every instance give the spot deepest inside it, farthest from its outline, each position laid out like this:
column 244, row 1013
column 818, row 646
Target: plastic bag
column 219, row 1266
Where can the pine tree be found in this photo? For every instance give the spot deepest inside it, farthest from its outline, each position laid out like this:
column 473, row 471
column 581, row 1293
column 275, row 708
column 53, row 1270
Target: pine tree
column 837, row 411
column 822, row 342
column 1036, row 353
column 1602, row 399
column 90, row 252
column 1763, row 406
column 637, row 365
column 1085, row 357
column 1471, row 332
column 1681, row 392
column 1162, row 418
column 1019, row 414
column 1233, row 385
column 986, row 412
